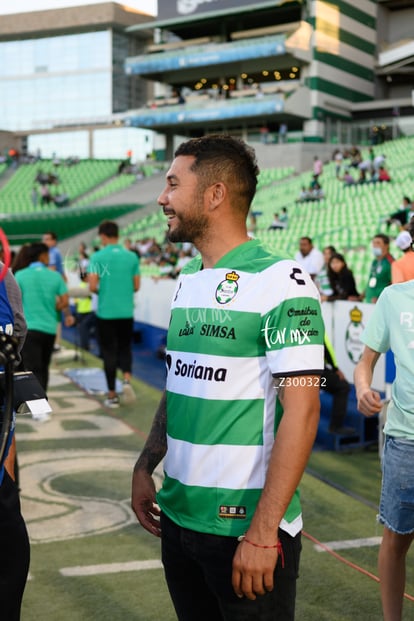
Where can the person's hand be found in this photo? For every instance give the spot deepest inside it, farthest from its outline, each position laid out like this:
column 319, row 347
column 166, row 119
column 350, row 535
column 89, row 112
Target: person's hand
column 143, row 502
column 369, row 402
column 253, row 570
column 69, row 321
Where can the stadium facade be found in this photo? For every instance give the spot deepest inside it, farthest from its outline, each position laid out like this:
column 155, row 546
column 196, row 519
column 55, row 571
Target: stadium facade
column 329, row 71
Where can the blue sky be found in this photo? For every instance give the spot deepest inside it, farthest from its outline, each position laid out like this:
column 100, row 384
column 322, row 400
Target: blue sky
column 22, row 6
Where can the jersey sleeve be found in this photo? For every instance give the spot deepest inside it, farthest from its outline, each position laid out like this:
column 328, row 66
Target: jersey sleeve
column 293, row 330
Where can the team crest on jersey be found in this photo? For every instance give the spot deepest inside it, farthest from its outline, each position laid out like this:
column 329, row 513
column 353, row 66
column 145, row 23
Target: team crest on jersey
column 228, row 288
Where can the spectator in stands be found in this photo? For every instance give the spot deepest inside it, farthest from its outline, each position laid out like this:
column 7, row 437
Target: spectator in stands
column 341, row 279
column 45, row 195
column 362, row 177
column 378, row 161
column 114, row 276
column 338, row 159
column 264, row 134
column 309, row 257
column 317, row 167
column 282, row 134
column 304, row 195
column 277, row 223
column 348, row 178
column 322, row 278
column 355, row 157
column 380, row 272
column 335, row 384
column 382, row 175
column 401, row 216
column 403, row 269
column 34, row 196
column 43, row 293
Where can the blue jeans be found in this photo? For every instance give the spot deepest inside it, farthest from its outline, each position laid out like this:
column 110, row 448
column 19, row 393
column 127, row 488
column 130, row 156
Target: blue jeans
column 198, row 570
column 397, row 492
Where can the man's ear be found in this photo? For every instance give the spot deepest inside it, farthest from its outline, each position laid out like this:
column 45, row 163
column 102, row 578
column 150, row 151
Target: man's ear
column 217, row 194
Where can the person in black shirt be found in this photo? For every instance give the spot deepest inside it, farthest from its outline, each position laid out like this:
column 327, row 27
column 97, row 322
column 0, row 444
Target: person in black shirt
column 341, row 279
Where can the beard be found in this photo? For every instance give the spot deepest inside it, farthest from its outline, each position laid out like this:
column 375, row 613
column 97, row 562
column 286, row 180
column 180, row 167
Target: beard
column 189, row 228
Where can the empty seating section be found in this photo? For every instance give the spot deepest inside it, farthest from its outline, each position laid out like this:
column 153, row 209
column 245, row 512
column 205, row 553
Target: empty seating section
column 111, row 187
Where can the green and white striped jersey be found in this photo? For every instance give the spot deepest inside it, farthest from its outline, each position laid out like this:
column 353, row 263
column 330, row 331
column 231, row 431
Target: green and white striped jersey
column 253, row 316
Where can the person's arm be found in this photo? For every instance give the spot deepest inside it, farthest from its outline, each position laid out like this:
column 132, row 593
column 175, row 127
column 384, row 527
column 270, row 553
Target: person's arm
column 368, row 400
column 10, row 460
column 93, row 280
column 137, row 282
column 253, row 567
column 62, row 304
column 143, row 488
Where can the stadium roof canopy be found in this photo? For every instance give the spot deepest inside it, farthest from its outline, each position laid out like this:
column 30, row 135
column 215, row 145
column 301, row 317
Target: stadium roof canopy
column 247, row 16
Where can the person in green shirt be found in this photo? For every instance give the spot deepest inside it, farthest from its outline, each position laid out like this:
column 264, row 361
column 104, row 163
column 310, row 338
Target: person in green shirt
column 391, row 326
column 380, row 272
column 44, row 292
column 113, row 273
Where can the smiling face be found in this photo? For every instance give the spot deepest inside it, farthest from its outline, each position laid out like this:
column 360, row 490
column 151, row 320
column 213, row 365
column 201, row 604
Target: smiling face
column 183, row 202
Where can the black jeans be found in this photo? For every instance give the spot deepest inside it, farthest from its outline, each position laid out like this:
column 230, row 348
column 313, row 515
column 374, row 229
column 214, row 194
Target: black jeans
column 198, row 569
column 115, row 340
column 37, row 353
column 14, row 551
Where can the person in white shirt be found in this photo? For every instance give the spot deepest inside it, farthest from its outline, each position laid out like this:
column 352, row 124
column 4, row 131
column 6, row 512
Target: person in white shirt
column 309, row 257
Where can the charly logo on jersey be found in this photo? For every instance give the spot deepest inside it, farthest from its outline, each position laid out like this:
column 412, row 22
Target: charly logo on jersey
column 228, row 288
column 353, row 344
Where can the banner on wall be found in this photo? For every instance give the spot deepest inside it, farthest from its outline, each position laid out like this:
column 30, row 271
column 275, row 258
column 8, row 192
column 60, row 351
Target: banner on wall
column 348, row 322
column 168, row 9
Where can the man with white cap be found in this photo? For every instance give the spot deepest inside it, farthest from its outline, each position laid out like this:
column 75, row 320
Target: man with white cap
column 403, row 269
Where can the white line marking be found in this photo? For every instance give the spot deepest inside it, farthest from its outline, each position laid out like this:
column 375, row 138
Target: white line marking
column 110, row 568
column 347, row 544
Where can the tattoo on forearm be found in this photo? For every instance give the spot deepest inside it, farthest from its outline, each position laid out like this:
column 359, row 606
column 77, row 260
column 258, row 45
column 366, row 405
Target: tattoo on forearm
column 156, row 444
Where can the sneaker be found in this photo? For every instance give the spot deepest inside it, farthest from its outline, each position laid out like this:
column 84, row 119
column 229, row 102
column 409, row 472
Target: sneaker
column 128, row 393
column 111, row 402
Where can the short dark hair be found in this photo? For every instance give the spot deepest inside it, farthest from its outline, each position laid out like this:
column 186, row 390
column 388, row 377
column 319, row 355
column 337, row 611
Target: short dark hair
column 384, row 238
column 219, row 157
column 51, row 234
column 308, row 239
column 108, row 228
column 35, row 250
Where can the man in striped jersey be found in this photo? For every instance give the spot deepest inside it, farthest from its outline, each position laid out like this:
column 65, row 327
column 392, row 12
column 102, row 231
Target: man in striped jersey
column 238, row 419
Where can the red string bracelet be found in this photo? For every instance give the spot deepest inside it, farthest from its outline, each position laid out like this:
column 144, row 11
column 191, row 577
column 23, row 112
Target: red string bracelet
column 277, row 545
